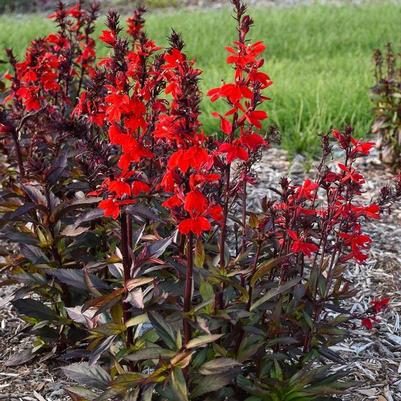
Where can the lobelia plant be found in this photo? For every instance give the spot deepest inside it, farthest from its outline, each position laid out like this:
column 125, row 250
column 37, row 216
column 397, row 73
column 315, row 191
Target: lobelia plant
column 386, row 95
column 50, row 161
column 172, row 288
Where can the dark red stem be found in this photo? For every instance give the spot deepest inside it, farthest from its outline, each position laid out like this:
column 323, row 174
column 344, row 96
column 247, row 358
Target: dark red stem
column 188, row 287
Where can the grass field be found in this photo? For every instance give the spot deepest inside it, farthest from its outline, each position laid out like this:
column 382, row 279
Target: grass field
column 318, row 57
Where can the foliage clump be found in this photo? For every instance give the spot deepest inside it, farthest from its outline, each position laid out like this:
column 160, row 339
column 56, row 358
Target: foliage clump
column 386, row 96
column 138, row 255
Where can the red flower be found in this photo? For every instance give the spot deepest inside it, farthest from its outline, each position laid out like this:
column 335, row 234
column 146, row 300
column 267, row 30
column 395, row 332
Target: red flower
column 301, row 246
column 357, row 242
column 195, row 203
column 120, row 188
column 367, row 322
column 173, row 59
column 172, row 202
column 108, row 37
column 225, row 125
column 110, row 208
column 232, row 92
column 379, row 304
column 362, row 148
column 183, row 159
column 234, row 151
column 252, row 141
column 139, row 187
column 197, row 225
column 350, row 174
column 372, row 211
column 306, row 190
column 255, row 117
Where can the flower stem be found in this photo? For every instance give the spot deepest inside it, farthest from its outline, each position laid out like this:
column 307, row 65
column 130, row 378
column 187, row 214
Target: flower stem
column 188, row 286
column 125, row 250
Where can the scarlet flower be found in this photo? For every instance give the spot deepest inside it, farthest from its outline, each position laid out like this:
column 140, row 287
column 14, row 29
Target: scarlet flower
column 172, row 202
column 357, row 242
column 183, row 159
column 195, row 203
column 225, row 125
column 255, row 117
column 301, row 246
column 232, row 92
column 200, row 178
column 372, row 211
column 110, row 208
column 233, row 151
column 367, row 322
column 139, row 187
column 306, row 190
column 173, row 59
column 197, row 225
column 362, row 148
column 252, row 141
column 351, row 175
column 120, row 188
column 379, row 304
column 108, row 37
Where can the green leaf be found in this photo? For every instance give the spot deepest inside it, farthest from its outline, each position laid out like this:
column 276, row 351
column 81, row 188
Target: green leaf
column 265, row 268
column 203, row 340
column 210, row 383
column 75, row 278
column 163, row 329
column 34, row 309
column 274, row 292
column 151, row 352
column 91, row 376
column 219, row 365
column 179, row 385
column 82, row 392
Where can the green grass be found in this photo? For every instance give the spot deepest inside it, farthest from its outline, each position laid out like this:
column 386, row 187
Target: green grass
column 318, row 57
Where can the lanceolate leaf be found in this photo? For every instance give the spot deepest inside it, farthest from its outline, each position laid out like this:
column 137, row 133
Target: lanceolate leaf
column 266, row 268
column 81, row 394
column 179, row 385
column 274, row 292
column 202, row 340
column 210, row 383
column 150, row 352
column 219, row 365
column 91, row 376
column 34, row 309
column 163, row 329
column 75, row 278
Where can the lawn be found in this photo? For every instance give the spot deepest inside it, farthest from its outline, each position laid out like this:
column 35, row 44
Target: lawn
column 319, row 58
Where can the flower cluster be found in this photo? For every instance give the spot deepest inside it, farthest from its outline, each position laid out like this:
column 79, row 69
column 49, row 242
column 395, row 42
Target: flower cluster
column 127, row 107
column 324, row 216
column 376, row 307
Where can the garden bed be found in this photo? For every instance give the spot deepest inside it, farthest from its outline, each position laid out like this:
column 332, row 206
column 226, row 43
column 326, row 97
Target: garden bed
column 373, row 357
